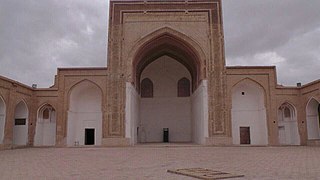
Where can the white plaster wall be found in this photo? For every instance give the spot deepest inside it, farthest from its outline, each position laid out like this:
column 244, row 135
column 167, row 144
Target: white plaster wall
column 84, row 112
column 290, row 136
column 46, row 131
column 165, row 109
column 313, row 120
column 20, row 132
column 132, row 113
column 199, row 101
column 248, row 111
column 2, row 119
column 291, row 133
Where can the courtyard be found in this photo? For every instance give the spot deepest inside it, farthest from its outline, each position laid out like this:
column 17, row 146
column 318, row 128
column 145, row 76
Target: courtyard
column 151, row 161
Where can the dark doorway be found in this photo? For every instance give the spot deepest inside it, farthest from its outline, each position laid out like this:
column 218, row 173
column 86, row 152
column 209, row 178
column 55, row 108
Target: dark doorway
column 89, row 137
column 245, row 135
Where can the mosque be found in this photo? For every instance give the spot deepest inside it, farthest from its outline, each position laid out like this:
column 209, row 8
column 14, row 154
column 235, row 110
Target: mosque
column 165, row 76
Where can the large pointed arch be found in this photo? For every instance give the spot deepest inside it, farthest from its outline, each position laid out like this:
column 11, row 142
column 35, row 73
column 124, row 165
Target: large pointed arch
column 172, row 43
column 250, row 80
column 80, row 82
column 248, row 114
column 84, row 113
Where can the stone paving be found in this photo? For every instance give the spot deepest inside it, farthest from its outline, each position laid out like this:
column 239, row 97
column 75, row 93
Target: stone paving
column 152, row 162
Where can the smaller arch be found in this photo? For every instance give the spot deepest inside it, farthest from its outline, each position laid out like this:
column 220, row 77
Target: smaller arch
column 288, row 110
column 288, row 133
column 4, row 104
column 22, row 100
column 2, row 98
column 312, row 98
column 45, row 104
column 146, row 88
column 2, row 118
column 45, row 133
column 183, row 87
column 313, row 119
column 44, row 111
column 20, row 129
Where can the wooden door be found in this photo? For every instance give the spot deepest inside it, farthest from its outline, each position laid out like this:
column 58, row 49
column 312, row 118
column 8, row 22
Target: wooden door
column 245, row 135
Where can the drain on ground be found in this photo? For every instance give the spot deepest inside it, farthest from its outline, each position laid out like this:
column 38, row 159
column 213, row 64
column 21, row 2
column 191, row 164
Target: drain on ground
column 202, row 173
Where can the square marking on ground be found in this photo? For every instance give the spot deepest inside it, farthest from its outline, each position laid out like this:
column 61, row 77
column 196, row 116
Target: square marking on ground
column 206, row 174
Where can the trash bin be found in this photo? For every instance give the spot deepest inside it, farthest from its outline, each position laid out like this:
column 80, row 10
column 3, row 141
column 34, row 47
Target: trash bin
column 165, row 135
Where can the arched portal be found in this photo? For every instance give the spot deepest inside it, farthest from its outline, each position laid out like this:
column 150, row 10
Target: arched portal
column 165, row 63
column 20, row 128
column 2, row 119
column 249, row 125
column 85, row 115
column 288, row 125
column 313, row 118
column 46, row 126
column 173, row 44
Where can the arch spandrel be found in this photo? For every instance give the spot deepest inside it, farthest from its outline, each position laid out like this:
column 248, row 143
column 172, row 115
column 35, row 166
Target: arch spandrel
column 74, row 86
column 250, row 81
column 166, row 35
column 167, row 41
column 310, row 99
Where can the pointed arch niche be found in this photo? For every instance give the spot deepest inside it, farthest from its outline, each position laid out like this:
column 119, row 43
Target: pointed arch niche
column 162, row 59
column 20, row 126
column 288, row 125
column 313, row 119
column 2, row 118
column 249, row 122
column 46, row 126
column 84, row 114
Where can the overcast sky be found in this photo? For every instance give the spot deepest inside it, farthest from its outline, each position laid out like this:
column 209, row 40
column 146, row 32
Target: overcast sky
column 38, row 36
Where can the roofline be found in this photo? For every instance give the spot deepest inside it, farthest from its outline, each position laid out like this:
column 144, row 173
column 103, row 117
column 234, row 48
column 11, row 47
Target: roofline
column 81, row 68
column 311, row 83
column 16, row 82
column 251, row 67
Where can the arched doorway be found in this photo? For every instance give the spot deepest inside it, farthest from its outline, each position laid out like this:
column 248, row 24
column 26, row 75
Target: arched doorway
column 46, row 126
column 2, row 119
column 85, row 115
column 313, row 118
column 169, row 92
column 288, row 125
column 20, row 128
column 249, row 124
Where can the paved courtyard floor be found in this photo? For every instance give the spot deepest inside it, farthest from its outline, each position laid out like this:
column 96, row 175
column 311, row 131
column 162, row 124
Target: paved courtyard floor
column 153, row 161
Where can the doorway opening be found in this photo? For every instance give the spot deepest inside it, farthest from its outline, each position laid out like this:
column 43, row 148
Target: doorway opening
column 245, row 135
column 89, row 136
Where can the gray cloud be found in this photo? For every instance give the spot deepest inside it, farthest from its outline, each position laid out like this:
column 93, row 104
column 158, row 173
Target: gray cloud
column 286, row 30
column 36, row 37
column 39, row 36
